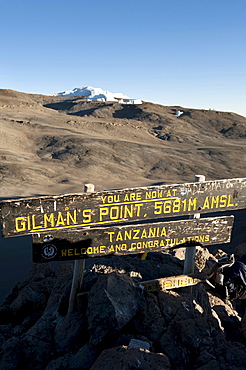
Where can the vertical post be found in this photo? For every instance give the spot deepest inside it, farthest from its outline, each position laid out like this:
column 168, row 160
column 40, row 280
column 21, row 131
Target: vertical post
column 78, row 270
column 190, row 252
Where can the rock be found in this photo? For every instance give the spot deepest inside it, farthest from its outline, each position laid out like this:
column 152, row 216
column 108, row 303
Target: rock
column 30, row 295
column 156, row 265
column 183, row 340
column 200, row 301
column 6, row 331
column 60, row 363
column 2, row 340
column 40, row 271
column 102, row 266
column 11, row 355
column 178, row 253
column 70, row 332
column 37, row 343
column 243, row 325
column 11, row 296
column 28, row 301
column 170, row 303
column 150, row 321
column 240, row 250
column 66, row 269
column 236, row 357
column 131, row 358
column 201, row 257
column 59, row 296
column 211, row 365
column 112, row 302
column 229, row 318
column 189, row 331
column 84, row 358
column 163, row 265
column 174, row 329
column 6, row 314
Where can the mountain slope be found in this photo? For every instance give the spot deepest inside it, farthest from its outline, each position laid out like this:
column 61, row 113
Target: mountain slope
column 53, row 144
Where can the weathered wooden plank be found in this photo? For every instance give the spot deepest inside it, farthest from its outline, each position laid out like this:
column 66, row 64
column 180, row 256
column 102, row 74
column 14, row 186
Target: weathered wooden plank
column 28, row 216
column 171, row 282
column 71, row 244
column 166, row 283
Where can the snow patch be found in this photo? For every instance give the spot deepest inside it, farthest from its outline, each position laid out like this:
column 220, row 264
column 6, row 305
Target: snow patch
column 98, row 94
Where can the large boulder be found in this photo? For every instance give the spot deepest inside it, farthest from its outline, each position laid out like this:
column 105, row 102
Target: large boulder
column 70, row 332
column 82, row 360
column 129, row 358
column 112, row 302
column 59, row 296
column 28, row 301
column 29, row 296
column 229, row 317
column 150, row 321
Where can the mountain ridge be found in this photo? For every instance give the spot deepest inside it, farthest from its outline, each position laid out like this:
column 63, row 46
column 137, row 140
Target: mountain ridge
column 53, row 144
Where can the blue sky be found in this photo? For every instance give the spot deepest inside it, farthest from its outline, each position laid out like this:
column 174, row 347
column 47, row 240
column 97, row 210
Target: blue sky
column 190, row 53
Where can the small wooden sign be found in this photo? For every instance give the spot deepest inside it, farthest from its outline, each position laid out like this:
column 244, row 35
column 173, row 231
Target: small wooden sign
column 46, row 214
column 72, row 244
column 171, row 282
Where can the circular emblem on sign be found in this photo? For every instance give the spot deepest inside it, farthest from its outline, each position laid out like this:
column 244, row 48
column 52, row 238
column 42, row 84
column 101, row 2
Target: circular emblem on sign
column 49, row 251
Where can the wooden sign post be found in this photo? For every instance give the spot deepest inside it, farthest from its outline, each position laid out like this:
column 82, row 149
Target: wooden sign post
column 79, row 267
column 190, row 252
column 189, row 263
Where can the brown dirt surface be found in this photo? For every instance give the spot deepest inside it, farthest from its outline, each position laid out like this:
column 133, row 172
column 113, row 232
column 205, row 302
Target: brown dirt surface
column 53, row 145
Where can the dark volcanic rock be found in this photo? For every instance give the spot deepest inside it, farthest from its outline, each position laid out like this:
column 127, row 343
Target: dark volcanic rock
column 27, row 301
column 151, row 325
column 131, row 358
column 11, row 355
column 6, row 314
column 118, row 325
column 84, row 358
column 70, row 332
column 119, row 301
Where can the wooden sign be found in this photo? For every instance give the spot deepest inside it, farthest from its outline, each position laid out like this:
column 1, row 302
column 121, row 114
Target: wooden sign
column 72, row 244
column 171, row 282
column 44, row 214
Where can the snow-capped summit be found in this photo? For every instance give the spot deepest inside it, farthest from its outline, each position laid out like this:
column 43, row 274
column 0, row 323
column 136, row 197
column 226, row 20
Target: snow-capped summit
column 98, row 94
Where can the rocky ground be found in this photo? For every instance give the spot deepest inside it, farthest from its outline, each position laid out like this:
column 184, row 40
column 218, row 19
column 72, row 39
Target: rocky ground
column 117, row 324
